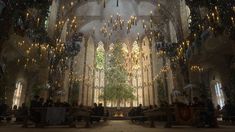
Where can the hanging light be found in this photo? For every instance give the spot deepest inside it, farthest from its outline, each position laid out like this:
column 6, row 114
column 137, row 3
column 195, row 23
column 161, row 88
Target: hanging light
column 104, row 3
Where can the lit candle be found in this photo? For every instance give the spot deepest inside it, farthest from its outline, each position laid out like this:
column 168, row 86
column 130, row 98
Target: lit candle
column 109, row 36
column 38, row 21
column 135, row 20
column 143, row 23
column 93, row 30
column 128, row 30
column 151, row 14
column 117, row 16
column 213, row 15
column 151, row 23
column 129, row 24
column 27, row 15
column 120, row 25
column 71, row 3
column 111, row 19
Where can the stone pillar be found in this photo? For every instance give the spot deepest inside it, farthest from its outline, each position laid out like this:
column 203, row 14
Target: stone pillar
column 184, row 13
column 89, row 72
column 53, row 18
column 78, row 68
column 155, row 71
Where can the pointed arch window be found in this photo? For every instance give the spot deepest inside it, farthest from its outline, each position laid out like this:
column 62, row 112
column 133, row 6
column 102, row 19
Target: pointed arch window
column 219, row 94
column 137, row 74
column 17, row 94
column 99, row 72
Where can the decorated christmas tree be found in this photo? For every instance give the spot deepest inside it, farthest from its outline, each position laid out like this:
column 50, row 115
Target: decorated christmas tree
column 117, row 88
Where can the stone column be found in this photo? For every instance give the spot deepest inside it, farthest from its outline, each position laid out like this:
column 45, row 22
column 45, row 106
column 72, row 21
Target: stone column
column 53, row 18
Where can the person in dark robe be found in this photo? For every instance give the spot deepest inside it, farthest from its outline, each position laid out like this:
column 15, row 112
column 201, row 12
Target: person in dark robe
column 211, row 120
column 34, row 109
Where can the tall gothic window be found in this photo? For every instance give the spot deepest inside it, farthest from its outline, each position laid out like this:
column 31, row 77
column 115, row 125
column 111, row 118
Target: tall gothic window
column 219, row 94
column 133, row 67
column 136, row 75
column 17, row 94
column 99, row 72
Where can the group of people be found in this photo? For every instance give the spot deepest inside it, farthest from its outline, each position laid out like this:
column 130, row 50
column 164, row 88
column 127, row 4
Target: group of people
column 211, row 113
column 7, row 113
column 38, row 106
column 73, row 110
column 204, row 113
column 227, row 111
column 136, row 114
column 4, row 111
column 98, row 111
column 139, row 111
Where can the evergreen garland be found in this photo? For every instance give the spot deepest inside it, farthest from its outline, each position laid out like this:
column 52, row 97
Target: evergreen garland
column 223, row 9
column 28, row 18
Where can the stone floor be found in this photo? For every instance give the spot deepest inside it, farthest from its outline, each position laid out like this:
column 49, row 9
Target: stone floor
column 116, row 126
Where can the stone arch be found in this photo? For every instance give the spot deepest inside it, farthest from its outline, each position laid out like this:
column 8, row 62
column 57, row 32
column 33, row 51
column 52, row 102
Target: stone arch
column 99, row 73
column 89, row 69
column 173, row 33
column 147, row 72
column 217, row 93
column 167, row 14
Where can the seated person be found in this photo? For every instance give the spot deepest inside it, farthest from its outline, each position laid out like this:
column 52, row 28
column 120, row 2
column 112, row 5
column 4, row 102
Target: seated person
column 48, row 103
column 100, row 110
column 107, row 113
column 211, row 120
column 58, row 103
column 94, row 109
column 22, row 113
column 139, row 110
column 34, row 109
column 132, row 112
column 196, row 102
column 5, row 112
column 228, row 111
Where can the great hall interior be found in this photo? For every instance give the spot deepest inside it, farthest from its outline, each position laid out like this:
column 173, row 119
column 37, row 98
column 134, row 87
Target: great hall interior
column 117, row 65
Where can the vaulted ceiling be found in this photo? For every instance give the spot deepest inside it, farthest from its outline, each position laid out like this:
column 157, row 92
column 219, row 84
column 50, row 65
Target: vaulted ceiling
column 93, row 16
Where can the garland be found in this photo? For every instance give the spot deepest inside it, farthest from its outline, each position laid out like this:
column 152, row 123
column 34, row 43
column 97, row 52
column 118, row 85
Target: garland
column 220, row 18
column 220, row 15
column 28, row 18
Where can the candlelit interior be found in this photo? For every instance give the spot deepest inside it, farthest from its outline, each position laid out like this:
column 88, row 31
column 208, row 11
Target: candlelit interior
column 169, row 61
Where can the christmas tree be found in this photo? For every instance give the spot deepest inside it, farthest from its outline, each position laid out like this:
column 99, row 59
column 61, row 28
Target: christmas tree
column 117, row 88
